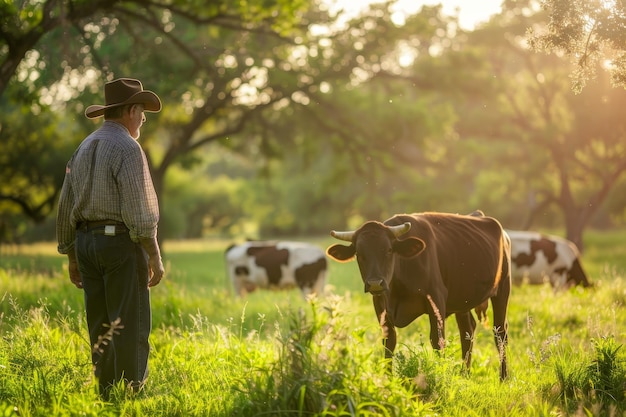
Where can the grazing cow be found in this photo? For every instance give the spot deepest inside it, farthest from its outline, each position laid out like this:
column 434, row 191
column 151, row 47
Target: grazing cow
column 537, row 258
column 436, row 264
column 276, row 265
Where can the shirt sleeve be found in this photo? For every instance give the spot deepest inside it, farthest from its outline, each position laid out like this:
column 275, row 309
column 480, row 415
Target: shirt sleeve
column 65, row 230
column 139, row 203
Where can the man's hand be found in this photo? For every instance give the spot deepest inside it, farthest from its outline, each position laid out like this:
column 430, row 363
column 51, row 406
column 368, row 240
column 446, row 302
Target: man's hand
column 155, row 264
column 156, row 270
column 73, row 270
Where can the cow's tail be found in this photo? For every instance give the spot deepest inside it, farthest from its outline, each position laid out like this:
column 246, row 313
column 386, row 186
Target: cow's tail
column 503, row 251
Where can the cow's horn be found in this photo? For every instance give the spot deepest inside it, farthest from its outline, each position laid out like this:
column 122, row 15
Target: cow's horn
column 347, row 236
column 400, row 229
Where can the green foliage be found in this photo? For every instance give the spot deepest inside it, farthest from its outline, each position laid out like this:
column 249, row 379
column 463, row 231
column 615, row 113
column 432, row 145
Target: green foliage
column 598, row 386
column 588, row 32
column 363, row 120
column 52, row 53
column 528, row 107
column 32, row 161
column 45, row 365
column 199, row 204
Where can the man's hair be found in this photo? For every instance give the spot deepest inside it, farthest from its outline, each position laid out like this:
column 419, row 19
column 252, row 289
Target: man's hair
column 115, row 112
column 118, row 111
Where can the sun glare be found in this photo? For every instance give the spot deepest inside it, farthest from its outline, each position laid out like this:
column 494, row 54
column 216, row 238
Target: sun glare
column 469, row 12
column 608, row 4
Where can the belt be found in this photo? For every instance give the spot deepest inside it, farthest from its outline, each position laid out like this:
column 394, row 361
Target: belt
column 113, row 226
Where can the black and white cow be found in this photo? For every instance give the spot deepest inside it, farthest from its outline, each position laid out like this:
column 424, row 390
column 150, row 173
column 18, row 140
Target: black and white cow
column 537, row 258
column 276, row 265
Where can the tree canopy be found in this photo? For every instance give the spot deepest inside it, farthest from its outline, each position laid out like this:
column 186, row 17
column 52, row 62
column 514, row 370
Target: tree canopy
column 282, row 118
column 591, row 32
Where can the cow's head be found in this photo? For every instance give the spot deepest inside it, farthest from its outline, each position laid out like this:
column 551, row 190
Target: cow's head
column 375, row 246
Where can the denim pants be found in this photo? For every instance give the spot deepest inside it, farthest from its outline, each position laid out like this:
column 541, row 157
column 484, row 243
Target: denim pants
column 114, row 271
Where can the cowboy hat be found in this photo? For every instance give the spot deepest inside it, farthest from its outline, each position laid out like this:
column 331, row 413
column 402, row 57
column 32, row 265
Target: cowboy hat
column 125, row 91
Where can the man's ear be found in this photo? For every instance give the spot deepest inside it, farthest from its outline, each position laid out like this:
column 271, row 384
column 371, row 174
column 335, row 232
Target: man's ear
column 409, row 247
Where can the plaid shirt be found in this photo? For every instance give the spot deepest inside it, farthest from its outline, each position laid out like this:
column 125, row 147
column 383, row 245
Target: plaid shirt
column 107, row 178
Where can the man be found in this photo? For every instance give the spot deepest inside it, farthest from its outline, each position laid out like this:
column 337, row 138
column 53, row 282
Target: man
column 107, row 226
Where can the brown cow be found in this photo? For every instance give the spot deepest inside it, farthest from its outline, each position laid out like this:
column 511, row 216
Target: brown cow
column 436, row 264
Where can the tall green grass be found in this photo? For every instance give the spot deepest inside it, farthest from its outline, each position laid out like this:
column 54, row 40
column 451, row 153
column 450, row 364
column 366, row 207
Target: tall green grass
column 276, row 354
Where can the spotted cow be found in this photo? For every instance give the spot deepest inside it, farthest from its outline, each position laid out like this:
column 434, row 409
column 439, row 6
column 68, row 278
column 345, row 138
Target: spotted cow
column 276, row 265
column 538, row 258
column 436, row 264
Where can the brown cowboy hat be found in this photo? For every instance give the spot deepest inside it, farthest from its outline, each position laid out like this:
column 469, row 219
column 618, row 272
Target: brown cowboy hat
column 125, row 91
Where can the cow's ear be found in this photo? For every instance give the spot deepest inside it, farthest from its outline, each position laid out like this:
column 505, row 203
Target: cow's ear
column 409, row 247
column 341, row 253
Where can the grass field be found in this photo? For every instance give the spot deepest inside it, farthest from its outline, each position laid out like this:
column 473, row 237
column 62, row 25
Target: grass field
column 275, row 354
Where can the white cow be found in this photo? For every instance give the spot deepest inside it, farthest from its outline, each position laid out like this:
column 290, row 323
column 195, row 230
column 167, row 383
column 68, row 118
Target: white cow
column 276, row 265
column 537, row 258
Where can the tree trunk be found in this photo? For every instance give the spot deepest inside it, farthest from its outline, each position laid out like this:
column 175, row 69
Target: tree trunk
column 574, row 227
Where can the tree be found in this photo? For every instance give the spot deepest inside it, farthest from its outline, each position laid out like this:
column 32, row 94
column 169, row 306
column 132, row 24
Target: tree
column 340, row 96
column 26, row 23
column 32, row 159
column 564, row 149
column 337, row 122
column 227, row 72
column 53, row 53
column 590, row 32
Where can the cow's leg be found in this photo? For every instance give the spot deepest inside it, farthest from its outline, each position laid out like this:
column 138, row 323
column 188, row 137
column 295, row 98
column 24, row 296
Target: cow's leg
column 320, row 283
column 238, row 287
column 500, row 304
column 578, row 275
column 467, row 327
column 558, row 279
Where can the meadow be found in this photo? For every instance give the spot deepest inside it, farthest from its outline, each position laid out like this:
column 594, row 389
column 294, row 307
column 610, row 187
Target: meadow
column 276, row 354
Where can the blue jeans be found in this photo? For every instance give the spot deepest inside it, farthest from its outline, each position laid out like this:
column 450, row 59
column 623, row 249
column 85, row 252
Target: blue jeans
column 114, row 271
